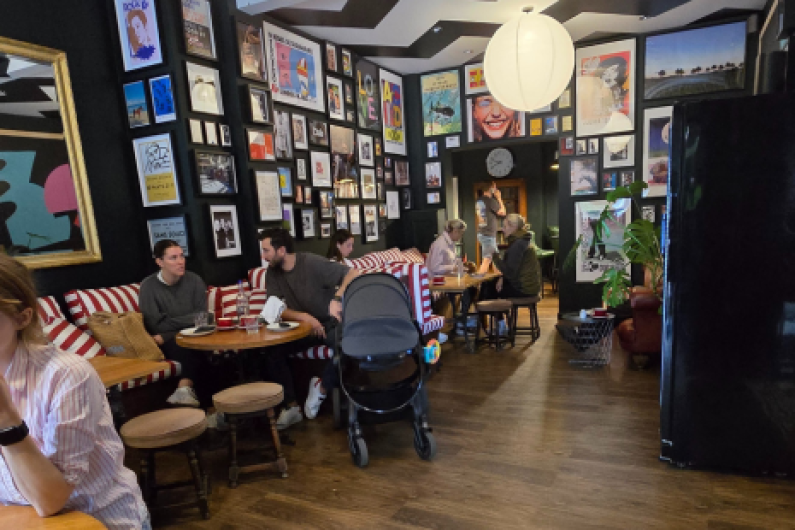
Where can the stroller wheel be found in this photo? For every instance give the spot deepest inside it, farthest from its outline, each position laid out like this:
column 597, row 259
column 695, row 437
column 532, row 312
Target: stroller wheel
column 359, row 452
column 425, row 444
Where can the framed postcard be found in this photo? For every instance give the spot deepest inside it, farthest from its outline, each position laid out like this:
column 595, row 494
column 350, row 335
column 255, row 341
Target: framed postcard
column 433, row 175
column 393, row 205
column 368, row 184
column 536, row 127
column 300, row 134
column 204, row 87
column 197, row 28
column 551, row 125
column 377, row 146
column 299, row 194
column 656, row 131
column 300, row 168
column 627, row 177
column 173, row 228
column 441, row 103
column 157, row 173
column 288, row 218
column 350, row 116
column 269, row 197
column 382, row 209
column 307, row 195
column 260, row 145
column 366, row 155
column 260, row 105
column 285, row 181
column 392, row 98
column 593, row 146
column 321, row 169
column 226, row 231
column 348, row 94
column 564, row 101
column 389, row 178
column 583, row 175
column 138, row 33
column 566, row 147
column 489, row 120
column 368, row 96
column 621, row 156
column 595, row 256
column 325, row 230
column 137, row 107
column 295, row 68
column 325, row 201
column 605, row 88
column 434, row 198
column 648, row 213
column 336, row 100
column 370, row 223
column 210, row 133
column 318, row 133
column 609, row 180
column 566, row 123
column 474, row 79
column 379, row 171
column 355, row 216
column 381, row 189
column 226, row 135
column 216, row 173
column 347, row 63
column 433, row 150
column 308, row 223
column 402, row 173
column 331, row 57
column 196, row 132
column 406, row 199
column 341, row 214
column 452, row 142
column 581, row 147
column 281, row 130
column 250, row 52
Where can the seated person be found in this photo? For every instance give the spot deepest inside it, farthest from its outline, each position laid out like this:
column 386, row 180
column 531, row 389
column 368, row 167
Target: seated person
column 66, row 453
column 521, row 273
column 442, row 259
column 169, row 301
column 311, row 287
column 340, row 247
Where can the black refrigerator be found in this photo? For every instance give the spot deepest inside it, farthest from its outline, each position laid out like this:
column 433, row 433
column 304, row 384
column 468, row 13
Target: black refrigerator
column 728, row 364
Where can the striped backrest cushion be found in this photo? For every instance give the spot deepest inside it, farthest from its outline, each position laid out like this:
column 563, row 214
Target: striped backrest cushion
column 413, row 255
column 226, row 300
column 84, row 303
column 49, row 309
column 419, row 289
column 256, row 277
column 365, row 262
column 391, row 255
column 257, row 301
column 67, row 337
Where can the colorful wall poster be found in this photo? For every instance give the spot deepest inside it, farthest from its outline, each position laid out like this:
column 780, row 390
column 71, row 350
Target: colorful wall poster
column 474, row 79
column 392, row 113
column 368, row 95
column 197, row 27
column 489, row 120
column 295, row 67
column 441, row 103
column 595, row 256
column 138, row 33
column 656, row 131
column 173, row 228
column 157, row 174
column 584, row 176
column 135, row 101
column 162, row 99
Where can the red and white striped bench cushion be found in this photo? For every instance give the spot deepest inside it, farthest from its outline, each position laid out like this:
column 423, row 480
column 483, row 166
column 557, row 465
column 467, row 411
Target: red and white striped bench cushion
column 256, row 277
column 376, row 259
column 84, row 303
column 365, row 262
column 68, row 337
column 227, row 301
column 413, row 255
column 419, row 289
column 49, row 309
column 435, row 323
column 173, row 370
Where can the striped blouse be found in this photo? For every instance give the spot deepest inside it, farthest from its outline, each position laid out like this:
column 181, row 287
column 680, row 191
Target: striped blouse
column 62, row 400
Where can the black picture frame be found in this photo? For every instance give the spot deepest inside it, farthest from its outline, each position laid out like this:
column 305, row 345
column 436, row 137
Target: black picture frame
column 242, row 32
column 209, row 182
column 252, row 91
column 317, row 126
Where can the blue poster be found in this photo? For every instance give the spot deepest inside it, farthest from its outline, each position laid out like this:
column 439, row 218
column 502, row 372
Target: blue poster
column 162, row 99
column 169, row 228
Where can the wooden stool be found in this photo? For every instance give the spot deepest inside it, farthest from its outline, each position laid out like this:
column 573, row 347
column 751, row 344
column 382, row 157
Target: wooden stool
column 492, row 309
column 169, row 429
column 534, row 330
column 252, row 400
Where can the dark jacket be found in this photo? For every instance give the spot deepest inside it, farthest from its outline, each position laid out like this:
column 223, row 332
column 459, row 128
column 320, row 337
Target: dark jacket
column 519, row 265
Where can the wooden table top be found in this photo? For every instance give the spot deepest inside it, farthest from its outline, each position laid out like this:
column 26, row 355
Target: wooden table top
column 453, row 285
column 114, row 370
column 19, row 517
column 239, row 339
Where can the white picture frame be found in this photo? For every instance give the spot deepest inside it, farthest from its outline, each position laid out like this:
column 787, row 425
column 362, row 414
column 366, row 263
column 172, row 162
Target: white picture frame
column 157, row 172
column 656, row 132
column 295, row 68
column 226, row 240
column 205, row 96
column 269, row 197
column 335, row 92
column 282, row 135
column 393, row 205
column 623, row 158
column 308, row 223
column 366, row 149
column 321, row 169
column 211, row 133
column 474, row 79
column 593, row 258
column 355, row 217
column 369, row 190
column 370, row 223
column 300, row 132
column 138, row 34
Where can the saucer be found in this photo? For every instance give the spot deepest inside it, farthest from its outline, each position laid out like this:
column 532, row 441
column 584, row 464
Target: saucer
column 277, row 327
column 191, row 332
column 227, row 328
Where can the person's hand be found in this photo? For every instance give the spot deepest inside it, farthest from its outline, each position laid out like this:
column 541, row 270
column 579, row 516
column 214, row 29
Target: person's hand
column 9, row 416
column 335, row 310
column 497, row 194
column 317, row 327
column 499, row 285
column 158, row 339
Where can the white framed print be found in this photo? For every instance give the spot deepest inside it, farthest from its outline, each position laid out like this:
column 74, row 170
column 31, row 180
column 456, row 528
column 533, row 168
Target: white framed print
column 196, row 133
column 288, row 217
column 433, row 150
column 656, row 134
column 366, row 153
column 452, row 142
column 433, row 174
column 369, row 190
column 157, row 173
column 474, row 79
column 595, row 256
column 162, row 99
column 308, row 223
column 197, row 28
column 225, row 230
column 204, row 87
column 300, row 134
column 619, row 156
column 269, row 197
column 392, row 205
column 336, row 99
column 300, row 168
column 321, row 169
column 138, row 33
column 392, row 112
column 281, row 130
column 226, row 135
column 370, row 223
column 295, row 68
column 341, row 214
column 355, row 216
column 173, row 228
column 211, row 133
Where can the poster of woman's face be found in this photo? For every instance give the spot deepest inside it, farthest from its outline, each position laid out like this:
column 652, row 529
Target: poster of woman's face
column 140, row 38
column 490, row 120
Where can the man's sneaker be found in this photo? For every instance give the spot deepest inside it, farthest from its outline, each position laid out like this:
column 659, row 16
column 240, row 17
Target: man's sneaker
column 314, row 399
column 442, row 337
column 184, row 396
column 288, row 417
column 217, row 421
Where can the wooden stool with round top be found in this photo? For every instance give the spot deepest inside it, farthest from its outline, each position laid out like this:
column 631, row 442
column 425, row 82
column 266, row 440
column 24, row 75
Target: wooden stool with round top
column 534, row 330
column 492, row 310
column 177, row 428
column 252, row 400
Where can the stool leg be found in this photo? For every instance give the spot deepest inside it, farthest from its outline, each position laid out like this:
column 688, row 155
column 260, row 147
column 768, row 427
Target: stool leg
column 233, row 469
column 281, row 462
column 514, row 319
column 537, row 323
column 208, row 485
column 145, row 478
column 478, row 327
column 196, row 471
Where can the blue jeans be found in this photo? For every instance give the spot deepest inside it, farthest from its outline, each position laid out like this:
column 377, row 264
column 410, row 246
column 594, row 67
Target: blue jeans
column 488, row 245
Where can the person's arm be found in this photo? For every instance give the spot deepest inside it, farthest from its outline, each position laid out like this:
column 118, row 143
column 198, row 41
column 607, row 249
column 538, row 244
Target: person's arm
column 498, row 197
column 510, row 265
column 334, row 307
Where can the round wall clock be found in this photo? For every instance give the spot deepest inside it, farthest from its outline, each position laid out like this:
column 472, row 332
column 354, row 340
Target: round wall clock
column 499, row 163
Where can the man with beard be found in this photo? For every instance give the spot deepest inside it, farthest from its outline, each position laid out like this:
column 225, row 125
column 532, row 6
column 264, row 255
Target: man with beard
column 312, row 288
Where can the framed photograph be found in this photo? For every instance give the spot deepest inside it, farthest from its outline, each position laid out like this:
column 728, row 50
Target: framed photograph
column 288, row 218
column 307, row 195
column 433, row 175
column 318, row 133
column 405, row 197
column 605, row 86
column 368, row 96
column 210, row 133
column 648, row 213
column 331, row 57
column 216, row 172
column 393, row 205
column 566, row 123
column 250, row 52
column 433, row 150
column 656, row 131
column 226, row 231
column 593, row 146
column 536, row 127
column 618, row 151
column 260, row 105
column 281, row 131
column 157, row 173
column 583, row 175
column 609, row 180
column 196, row 132
column 197, row 29
column 564, row 101
column 366, row 151
column 300, row 168
column 137, row 107
column 350, row 116
column 226, row 135
column 441, row 103
column 345, row 176
column 378, row 151
column 369, row 190
column 388, row 162
column 260, row 145
column 325, row 200
column 138, row 33
column 581, row 147
column 173, row 228
column 627, row 178
column 348, row 94
column 295, row 68
column 379, row 172
column 566, row 147
column 336, row 100
column 204, row 87
column 695, row 61
column 452, row 142
column 355, row 216
column 325, row 230
column 489, row 120
column 299, row 194
column 434, row 198
column 321, row 169
column 551, row 125
column 402, row 173
column 269, row 197
column 595, row 256
column 285, row 181
column 392, row 112
column 300, row 134
column 381, row 189
column 382, row 210
column 341, row 214
column 347, row 63
column 389, row 178
column 308, row 223
column 370, row 223
column 474, row 79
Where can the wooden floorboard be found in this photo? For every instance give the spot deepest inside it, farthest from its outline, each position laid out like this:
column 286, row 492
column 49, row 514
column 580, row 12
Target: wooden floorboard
column 526, row 440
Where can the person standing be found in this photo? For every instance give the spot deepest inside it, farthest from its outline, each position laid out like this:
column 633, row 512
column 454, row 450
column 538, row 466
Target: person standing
column 488, row 208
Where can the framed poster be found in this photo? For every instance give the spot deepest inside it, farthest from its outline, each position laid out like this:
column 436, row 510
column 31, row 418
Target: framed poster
column 138, row 33
column 368, row 184
column 321, row 169
column 566, row 147
column 325, row 230
column 605, row 88
column 135, row 101
column 609, row 180
column 434, row 198
column 392, row 205
column 288, row 218
column 595, row 256
column 581, row 147
column 197, row 29
column 326, row 203
column 251, row 52
column 211, row 133
column 295, row 68
column 441, row 103
column 566, row 123
column 300, row 168
column 285, row 181
column 350, row 116
column 196, row 132
column 269, row 198
column 204, row 87
column 627, row 177
column 402, row 173
column 366, row 155
column 173, row 228
column 584, row 176
column 382, row 210
column 260, row 145
column 349, row 94
column 226, row 135
column 216, row 173
column 281, row 129
column 564, row 101
column 157, row 173
column 226, row 231
column 318, row 133
column 308, row 223
column 331, row 57
column 377, row 146
column 489, row 120
column 392, row 113
column 347, row 63
column 433, row 149
column 389, row 178
column 593, row 146
column 260, row 105
column 345, row 176
column 370, row 223
column 355, row 216
column 336, row 102
column 433, row 175
column 474, row 79
column 536, row 127
column 656, row 130
column 341, row 213
column 551, row 125
column 621, row 157
column 300, row 135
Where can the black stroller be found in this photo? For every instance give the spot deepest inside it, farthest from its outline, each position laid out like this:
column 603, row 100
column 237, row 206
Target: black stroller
column 378, row 335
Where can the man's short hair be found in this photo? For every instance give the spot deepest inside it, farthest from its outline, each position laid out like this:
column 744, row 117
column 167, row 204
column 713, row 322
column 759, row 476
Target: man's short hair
column 161, row 247
column 279, row 238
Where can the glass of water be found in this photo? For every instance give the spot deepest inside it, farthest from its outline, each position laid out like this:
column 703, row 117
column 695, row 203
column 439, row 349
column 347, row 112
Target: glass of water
column 200, row 319
column 251, row 323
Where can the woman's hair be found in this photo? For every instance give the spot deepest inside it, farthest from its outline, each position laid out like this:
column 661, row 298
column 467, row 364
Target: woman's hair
column 17, row 293
column 131, row 15
column 513, row 130
column 618, row 61
column 455, row 224
column 516, row 220
column 339, row 237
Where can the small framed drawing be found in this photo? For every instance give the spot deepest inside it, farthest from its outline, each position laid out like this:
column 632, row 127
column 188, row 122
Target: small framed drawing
column 300, row 168
column 325, row 230
column 260, row 145
column 261, row 109
column 162, row 99
column 173, row 228
column 321, row 169
column 347, row 63
column 627, row 178
column 382, row 210
column 300, row 136
column 307, row 195
column 331, row 57
column 282, row 126
column 355, row 216
column 377, row 146
column 389, row 178
column 216, row 173
column 341, row 213
column 251, row 52
column 196, row 133
column 402, row 173
column 433, row 175
column 204, row 87
column 318, row 133
column 269, row 198
column 368, row 184
column 308, row 223
column 581, row 147
column 336, row 103
column 393, row 205
column 434, row 198
column 157, row 173
column 285, row 181
column 137, row 108
column 225, row 230
column 564, row 101
column 593, row 146
column 567, row 124
column 619, row 151
column 452, row 141
column 138, row 33
column 370, row 223
column 365, row 142
column 433, row 150
column 326, row 203
column 210, row 133
column 197, row 29
column 405, row 195
column 226, row 135
column 288, row 218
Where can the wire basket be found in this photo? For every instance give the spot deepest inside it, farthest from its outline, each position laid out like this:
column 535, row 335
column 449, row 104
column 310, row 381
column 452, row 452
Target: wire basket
column 591, row 338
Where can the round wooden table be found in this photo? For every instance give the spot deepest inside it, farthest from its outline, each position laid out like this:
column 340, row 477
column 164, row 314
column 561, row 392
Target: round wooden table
column 26, row 517
column 240, row 339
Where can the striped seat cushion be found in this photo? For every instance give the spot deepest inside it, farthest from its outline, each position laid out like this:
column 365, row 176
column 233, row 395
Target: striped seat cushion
column 84, row 303
column 49, row 309
column 173, row 370
column 69, row 338
column 376, row 259
column 435, row 323
column 365, row 262
column 256, row 277
column 227, row 301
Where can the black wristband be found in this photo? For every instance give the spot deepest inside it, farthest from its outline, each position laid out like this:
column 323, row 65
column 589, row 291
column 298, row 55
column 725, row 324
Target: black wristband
column 13, row 435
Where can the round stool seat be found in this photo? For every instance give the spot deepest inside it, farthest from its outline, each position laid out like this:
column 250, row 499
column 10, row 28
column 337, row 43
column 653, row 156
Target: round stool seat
column 525, row 301
column 494, row 306
column 164, row 428
column 252, row 397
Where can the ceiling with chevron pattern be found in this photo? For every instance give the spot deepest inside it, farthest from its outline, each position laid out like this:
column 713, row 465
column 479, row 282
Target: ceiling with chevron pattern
column 411, row 36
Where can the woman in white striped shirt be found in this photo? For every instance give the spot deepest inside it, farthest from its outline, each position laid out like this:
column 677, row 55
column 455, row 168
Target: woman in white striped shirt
column 71, row 457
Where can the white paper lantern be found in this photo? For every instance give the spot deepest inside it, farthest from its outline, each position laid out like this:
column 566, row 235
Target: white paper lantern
column 529, row 62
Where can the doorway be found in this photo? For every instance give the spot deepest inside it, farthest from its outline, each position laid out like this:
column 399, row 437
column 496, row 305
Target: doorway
column 514, row 196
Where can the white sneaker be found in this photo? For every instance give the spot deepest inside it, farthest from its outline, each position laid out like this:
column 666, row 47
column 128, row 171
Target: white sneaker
column 288, row 417
column 185, row 396
column 314, row 399
column 217, row 421
column 442, row 337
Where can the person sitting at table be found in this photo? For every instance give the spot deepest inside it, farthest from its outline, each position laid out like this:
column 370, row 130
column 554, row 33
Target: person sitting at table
column 442, row 259
column 58, row 446
column 312, row 288
column 340, row 247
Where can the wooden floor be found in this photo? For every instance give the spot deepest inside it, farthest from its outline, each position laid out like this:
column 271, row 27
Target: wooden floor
column 525, row 441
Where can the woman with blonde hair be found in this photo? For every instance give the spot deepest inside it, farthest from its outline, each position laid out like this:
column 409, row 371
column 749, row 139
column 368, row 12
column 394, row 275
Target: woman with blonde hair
column 59, row 449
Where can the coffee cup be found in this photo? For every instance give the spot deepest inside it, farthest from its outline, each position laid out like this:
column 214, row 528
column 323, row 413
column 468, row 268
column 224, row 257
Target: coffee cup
column 225, row 322
column 599, row 312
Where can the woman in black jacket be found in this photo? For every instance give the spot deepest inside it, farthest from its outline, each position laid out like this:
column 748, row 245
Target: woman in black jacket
column 521, row 273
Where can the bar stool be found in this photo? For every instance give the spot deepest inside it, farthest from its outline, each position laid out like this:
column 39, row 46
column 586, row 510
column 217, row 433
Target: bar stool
column 534, row 330
column 492, row 309
column 252, row 400
column 177, row 428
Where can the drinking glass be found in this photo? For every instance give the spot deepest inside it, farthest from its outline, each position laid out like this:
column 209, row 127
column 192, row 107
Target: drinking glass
column 251, row 323
column 200, row 319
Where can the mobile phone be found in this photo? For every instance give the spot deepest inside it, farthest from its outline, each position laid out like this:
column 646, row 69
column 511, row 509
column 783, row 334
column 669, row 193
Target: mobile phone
column 284, row 325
